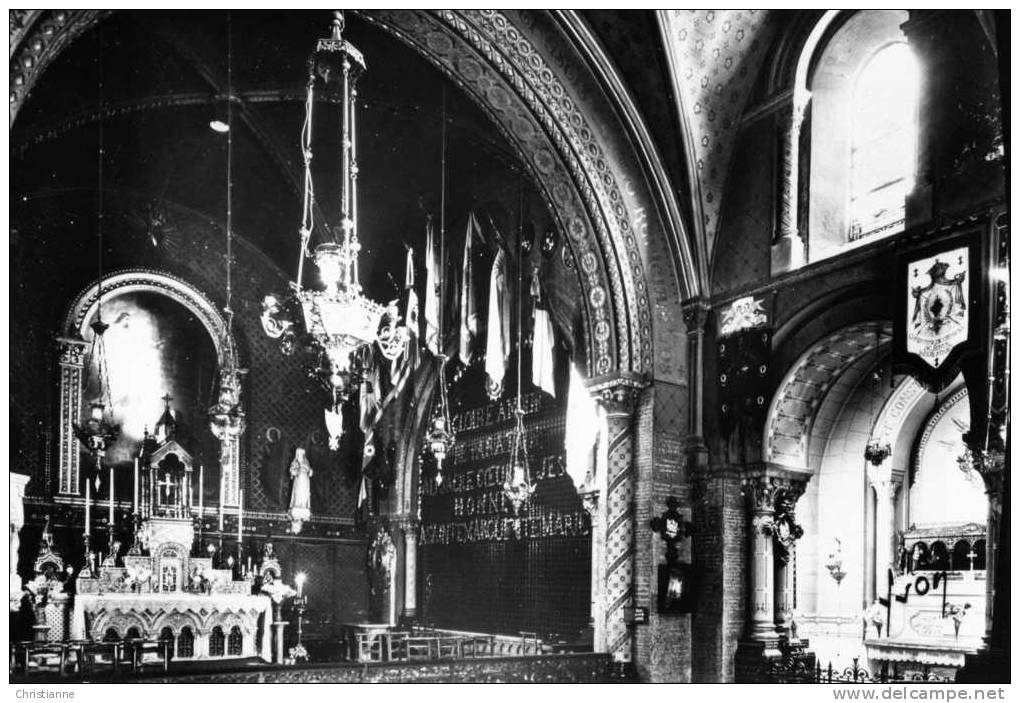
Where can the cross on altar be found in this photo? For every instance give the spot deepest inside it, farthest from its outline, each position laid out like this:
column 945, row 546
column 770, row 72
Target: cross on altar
column 971, row 555
column 167, row 484
column 166, row 399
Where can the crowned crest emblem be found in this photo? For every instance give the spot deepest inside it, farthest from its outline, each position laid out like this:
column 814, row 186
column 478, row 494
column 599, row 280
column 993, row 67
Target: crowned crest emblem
column 938, row 315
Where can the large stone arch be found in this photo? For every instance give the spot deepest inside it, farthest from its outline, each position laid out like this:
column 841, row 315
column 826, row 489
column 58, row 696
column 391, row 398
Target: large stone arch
column 542, row 99
column 165, row 284
column 72, row 359
column 795, row 404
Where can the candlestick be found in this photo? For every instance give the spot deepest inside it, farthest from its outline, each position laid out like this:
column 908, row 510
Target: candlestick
column 201, row 490
column 240, row 511
column 110, row 522
column 134, row 496
column 221, row 499
column 88, row 506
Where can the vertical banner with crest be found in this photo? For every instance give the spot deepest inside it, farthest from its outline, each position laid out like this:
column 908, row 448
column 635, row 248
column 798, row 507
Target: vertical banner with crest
column 938, row 310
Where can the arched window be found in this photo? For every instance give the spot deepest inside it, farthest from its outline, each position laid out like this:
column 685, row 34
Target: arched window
column 961, row 562
column 217, row 642
column 939, row 556
column 856, row 99
column 166, row 636
column 884, row 142
column 186, row 643
column 133, row 634
column 979, row 555
column 234, row 642
column 111, row 635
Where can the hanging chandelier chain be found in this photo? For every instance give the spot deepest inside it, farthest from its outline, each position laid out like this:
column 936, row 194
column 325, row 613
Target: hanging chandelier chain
column 99, row 171
column 308, row 204
column 230, row 173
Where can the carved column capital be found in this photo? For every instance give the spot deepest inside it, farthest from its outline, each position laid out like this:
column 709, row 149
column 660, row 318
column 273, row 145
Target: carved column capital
column 760, row 492
column 618, row 394
column 590, row 502
column 695, row 313
column 883, row 482
column 991, row 465
column 72, row 351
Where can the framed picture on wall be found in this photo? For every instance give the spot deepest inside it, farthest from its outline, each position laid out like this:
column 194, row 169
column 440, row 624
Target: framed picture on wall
column 678, row 584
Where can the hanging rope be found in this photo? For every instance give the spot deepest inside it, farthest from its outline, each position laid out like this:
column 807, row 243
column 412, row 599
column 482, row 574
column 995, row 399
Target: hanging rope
column 99, row 172
column 307, row 207
column 230, row 176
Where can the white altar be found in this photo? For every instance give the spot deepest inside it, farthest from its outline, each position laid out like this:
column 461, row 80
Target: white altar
column 164, row 592
column 201, row 624
column 923, row 631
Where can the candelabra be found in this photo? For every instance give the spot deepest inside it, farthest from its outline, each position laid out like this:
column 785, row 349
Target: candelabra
column 298, row 651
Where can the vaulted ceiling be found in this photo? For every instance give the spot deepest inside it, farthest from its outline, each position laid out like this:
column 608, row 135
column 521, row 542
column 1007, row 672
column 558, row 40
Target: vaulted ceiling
column 690, row 73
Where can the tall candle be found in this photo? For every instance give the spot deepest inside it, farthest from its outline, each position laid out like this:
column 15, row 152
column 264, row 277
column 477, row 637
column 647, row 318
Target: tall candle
column 88, row 506
column 111, row 499
column 221, row 499
column 201, row 489
column 135, row 489
column 240, row 511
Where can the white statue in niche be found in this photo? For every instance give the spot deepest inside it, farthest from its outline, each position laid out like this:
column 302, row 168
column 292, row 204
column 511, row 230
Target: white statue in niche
column 301, row 490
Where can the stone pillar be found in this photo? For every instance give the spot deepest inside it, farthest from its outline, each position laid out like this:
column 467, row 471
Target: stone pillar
column 17, row 484
column 786, row 534
column 992, row 467
column 695, row 313
column 771, row 492
column 787, row 243
column 72, row 363
column 590, row 499
column 278, row 626
column 410, row 570
column 760, row 492
column 618, row 397
column 885, row 485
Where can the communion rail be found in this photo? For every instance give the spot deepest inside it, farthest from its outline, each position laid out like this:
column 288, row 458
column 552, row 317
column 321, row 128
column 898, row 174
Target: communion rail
column 792, row 670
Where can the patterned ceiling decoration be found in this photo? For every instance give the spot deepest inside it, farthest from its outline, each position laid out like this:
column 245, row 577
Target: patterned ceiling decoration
column 806, row 385
column 715, row 56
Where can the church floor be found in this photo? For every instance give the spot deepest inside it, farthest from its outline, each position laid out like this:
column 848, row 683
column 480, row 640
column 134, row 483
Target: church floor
column 558, row 668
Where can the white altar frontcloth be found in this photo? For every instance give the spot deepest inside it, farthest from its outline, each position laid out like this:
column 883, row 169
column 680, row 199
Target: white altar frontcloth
column 150, row 607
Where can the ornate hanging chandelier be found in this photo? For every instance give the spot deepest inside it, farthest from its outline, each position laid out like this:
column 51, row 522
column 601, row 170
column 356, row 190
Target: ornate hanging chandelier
column 518, row 487
column 338, row 320
column 98, row 432
column 440, row 438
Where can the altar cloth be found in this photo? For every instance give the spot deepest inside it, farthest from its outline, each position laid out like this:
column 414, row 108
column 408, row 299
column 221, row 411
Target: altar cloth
column 150, row 611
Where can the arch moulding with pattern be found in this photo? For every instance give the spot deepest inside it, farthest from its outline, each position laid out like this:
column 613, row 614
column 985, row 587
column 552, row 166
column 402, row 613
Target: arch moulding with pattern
column 72, row 357
column 501, row 62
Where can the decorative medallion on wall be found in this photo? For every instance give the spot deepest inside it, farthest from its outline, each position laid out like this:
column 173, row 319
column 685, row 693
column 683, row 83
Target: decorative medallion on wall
column 745, row 348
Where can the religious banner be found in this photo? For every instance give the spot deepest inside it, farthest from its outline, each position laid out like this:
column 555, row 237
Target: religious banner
column 937, row 320
column 745, row 348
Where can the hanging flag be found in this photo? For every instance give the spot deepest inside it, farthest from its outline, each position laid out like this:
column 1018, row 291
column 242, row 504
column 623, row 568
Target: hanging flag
column 468, row 305
column 432, row 302
column 544, row 341
column 362, row 491
column 497, row 343
column 371, row 408
column 402, row 367
column 582, row 429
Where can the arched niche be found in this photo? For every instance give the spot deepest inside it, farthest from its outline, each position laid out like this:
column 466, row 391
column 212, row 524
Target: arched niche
column 941, row 493
column 567, row 135
column 124, row 293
